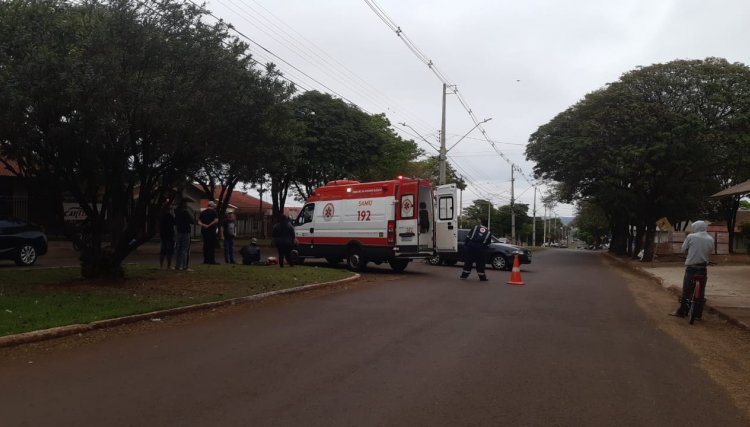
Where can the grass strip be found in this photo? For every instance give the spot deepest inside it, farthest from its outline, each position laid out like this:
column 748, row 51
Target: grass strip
column 35, row 299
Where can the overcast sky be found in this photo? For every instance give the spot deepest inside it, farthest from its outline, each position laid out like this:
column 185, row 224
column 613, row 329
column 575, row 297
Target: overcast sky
column 517, row 62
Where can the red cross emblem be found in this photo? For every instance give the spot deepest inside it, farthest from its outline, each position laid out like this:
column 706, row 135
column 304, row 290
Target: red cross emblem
column 328, row 211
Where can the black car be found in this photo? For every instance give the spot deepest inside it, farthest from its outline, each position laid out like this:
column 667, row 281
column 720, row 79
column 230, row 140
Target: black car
column 499, row 255
column 20, row 241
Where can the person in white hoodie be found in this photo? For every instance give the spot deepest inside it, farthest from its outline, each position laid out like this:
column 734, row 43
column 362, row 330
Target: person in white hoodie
column 699, row 246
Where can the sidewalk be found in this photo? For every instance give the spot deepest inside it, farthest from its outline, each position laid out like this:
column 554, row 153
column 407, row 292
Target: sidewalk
column 727, row 291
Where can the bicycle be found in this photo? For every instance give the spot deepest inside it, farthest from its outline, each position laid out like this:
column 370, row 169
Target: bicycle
column 695, row 303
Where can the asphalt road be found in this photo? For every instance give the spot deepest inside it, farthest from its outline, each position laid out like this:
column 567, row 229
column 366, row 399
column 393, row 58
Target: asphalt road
column 570, row 348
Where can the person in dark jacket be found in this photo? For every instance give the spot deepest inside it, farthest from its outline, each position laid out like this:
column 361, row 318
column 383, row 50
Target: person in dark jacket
column 184, row 220
column 283, row 239
column 166, row 236
column 209, row 222
column 251, row 253
column 228, row 232
column 475, row 245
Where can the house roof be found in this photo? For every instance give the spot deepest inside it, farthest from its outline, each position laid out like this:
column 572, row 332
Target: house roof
column 5, row 171
column 242, row 201
column 742, row 188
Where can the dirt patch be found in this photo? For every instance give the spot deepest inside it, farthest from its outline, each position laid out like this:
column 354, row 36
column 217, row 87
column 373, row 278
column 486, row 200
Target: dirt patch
column 721, row 348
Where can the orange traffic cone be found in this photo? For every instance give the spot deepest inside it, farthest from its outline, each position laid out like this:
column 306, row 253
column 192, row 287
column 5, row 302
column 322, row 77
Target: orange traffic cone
column 515, row 276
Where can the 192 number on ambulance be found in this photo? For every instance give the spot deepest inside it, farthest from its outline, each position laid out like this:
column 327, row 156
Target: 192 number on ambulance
column 363, row 215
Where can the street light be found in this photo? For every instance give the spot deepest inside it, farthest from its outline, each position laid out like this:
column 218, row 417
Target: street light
column 420, row 135
column 444, row 152
column 467, row 133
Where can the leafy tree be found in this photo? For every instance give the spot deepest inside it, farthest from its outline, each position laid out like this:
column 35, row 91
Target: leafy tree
column 477, row 213
column 645, row 146
column 114, row 102
column 237, row 149
column 429, row 169
column 591, row 222
column 499, row 217
column 395, row 156
column 282, row 133
column 338, row 140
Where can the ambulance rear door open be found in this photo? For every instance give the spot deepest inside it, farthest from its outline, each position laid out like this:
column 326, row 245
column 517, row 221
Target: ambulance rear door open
column 446, row 218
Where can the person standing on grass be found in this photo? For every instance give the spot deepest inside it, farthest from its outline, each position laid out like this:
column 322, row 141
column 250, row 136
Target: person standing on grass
column 166, row 236
column 184, row 221
column 283, row 239
column 209, row 222
column 228, row 232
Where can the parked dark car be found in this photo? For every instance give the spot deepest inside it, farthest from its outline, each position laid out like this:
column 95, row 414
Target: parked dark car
column 499, row 255
column 20, row 241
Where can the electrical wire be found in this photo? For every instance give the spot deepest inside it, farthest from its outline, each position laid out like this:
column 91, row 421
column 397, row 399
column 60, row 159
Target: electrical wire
column 431, row 65
column 265, row 22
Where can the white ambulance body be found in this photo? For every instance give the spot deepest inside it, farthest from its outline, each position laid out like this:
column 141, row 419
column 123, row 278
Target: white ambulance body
column 387, row 221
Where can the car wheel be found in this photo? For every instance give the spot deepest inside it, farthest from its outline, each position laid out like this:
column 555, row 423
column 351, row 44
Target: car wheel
column 354, row 260
column 26, row 255
column 499, row 262
column 435, row 260
column 398, row 265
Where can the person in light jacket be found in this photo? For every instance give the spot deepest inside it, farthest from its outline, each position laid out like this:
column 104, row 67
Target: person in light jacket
column 699, row 246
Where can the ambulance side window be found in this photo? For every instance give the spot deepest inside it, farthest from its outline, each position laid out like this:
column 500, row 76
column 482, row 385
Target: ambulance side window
column 445, row 208
column 306, row 215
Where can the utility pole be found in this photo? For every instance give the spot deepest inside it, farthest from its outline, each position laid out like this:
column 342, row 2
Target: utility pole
column 460, row 204
column 512, row 211
column 544, row 226
column 443, row 153
column 533, row 225
column 489, row 214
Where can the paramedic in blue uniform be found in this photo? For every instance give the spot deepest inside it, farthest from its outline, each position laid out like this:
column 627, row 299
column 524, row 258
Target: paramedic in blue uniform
column 475, row 246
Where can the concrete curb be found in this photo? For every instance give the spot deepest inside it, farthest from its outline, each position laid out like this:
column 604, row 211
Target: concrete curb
column 677, row 291
column 61, row 331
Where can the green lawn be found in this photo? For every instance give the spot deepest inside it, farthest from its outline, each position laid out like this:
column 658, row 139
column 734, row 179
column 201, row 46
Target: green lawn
column 34, row 299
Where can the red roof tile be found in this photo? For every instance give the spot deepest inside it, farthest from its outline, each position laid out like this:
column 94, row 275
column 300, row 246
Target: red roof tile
column 241, row 201
column 4, row 171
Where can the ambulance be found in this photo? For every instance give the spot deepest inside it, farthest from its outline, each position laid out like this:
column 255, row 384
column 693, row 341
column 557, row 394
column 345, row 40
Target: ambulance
column 388, row 221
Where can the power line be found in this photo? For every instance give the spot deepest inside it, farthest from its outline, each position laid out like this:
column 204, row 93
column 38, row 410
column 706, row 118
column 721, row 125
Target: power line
column 431, row 65
column 266, row 22
column 241, row 34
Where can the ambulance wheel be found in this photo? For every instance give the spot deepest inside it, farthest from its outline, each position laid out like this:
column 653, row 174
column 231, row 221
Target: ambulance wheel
column 333, row 261
column 354, row 260
column 435, row 260
column 398, row 265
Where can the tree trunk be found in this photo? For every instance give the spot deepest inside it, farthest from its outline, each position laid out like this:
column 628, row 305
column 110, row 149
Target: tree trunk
column 619, row 242
column 731, row 205
column 648, row 245
column 639, row 232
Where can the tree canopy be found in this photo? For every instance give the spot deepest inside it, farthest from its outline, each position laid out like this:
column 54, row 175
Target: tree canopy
column 116, row 102
column 655, row 143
